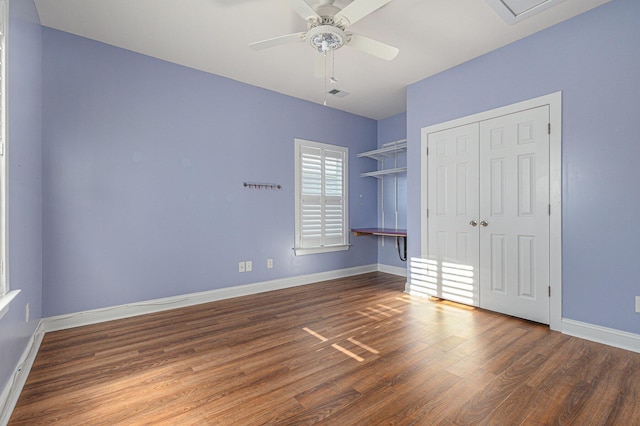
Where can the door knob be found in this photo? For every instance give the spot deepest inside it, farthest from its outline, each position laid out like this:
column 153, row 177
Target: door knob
column 473, row 223
column 484, row 223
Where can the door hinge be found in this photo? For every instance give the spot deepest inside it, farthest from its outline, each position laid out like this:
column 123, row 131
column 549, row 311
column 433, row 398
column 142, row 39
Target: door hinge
column 549, row 209
column 549, row 291
column 427, row 212
column 427, row 151
column 549, row 128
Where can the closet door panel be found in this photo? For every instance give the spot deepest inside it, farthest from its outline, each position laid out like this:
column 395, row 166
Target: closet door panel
column 514, row 200
column 453, row 242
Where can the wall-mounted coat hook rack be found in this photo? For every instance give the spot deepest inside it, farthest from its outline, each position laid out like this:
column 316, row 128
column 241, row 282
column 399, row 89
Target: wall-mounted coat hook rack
column 261, row 185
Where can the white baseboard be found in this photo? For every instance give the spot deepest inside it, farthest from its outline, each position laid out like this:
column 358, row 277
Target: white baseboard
column 95, row 316
column 395, row 270
column 607, row 336
column 13, row 387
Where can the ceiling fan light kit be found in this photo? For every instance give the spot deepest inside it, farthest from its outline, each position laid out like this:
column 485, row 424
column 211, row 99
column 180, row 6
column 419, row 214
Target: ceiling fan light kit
column 326, row 37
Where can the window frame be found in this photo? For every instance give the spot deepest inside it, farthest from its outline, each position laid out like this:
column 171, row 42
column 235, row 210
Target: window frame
column 6, row 296
column 4, row 23
column 302, row 247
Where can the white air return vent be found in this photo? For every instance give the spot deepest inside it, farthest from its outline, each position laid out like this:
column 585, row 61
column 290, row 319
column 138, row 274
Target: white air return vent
column 338, row 93
column 512, row 11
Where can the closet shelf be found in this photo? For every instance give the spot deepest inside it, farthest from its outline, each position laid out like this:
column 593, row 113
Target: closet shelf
column 383, row 173
column 389, row 151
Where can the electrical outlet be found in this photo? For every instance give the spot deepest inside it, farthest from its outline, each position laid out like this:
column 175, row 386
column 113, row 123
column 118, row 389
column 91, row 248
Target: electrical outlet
column 248, row 266
column 638, row 304
column 269, row 263
column 240, row 266
column 26, row 312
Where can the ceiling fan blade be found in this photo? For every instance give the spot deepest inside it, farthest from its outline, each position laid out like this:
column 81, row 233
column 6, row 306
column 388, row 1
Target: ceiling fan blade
column 277, row 41
column 358, row 10
column 303, row 9
column 373, row 47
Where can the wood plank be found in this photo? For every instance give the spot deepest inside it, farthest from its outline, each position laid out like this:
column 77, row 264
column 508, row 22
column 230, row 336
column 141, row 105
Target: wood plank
column 384, row 358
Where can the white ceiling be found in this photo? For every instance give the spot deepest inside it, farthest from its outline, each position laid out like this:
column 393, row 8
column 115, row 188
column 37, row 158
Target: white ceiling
column 213, row 36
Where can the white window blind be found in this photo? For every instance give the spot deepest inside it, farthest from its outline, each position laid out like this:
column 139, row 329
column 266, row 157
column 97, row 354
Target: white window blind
column 321, row 198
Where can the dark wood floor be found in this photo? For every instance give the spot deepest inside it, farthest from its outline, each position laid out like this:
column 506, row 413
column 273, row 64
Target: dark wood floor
column 342, row 352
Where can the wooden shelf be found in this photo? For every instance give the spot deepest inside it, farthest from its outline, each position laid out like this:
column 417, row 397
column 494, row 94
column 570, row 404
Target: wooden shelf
column 385, row 232
column 380, row 231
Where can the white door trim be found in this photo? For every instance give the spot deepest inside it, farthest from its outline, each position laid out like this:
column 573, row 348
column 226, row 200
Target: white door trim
column 554, row 101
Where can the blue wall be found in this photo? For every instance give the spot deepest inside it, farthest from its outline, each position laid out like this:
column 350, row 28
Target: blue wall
column 144, row 163
column 594, row 59
column 25, row 177
column 127, row 171
column 389, row 130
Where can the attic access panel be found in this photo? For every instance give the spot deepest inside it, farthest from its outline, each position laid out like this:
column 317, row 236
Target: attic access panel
column 512, row 11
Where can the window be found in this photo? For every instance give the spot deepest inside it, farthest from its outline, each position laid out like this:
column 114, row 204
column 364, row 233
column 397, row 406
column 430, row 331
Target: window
column 321, row 198
column 4, row 288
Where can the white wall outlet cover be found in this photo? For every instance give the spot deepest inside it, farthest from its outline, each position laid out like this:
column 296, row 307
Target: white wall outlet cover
column 240, row 266
column 269, row 263
column 248, row 266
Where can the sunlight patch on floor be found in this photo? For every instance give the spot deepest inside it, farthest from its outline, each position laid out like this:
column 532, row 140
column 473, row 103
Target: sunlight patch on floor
column 347, row 352
column 314, row 334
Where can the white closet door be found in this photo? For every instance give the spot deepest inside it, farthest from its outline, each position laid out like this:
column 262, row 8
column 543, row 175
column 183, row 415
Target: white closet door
column 514, row 215
column 453, row 209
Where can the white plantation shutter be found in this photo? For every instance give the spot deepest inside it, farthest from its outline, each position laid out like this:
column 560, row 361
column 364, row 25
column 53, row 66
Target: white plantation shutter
column 311, row 198
column 334, row 219
column 321, row 197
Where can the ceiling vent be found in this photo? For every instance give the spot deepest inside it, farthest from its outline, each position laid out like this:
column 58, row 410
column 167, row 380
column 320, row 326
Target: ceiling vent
column 512, row 11
column 338, row 93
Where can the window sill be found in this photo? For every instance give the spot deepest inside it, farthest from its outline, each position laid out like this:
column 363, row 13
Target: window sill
column 6, row 300
column 316, row 250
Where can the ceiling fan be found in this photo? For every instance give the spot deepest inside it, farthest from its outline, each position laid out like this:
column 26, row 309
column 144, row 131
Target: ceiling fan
column 327, row 29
